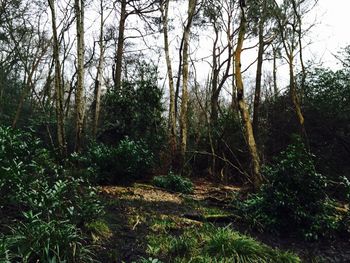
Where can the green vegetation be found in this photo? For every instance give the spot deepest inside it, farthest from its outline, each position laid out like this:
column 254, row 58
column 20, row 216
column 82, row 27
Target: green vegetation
column 174, row 183
column 128, row 161
column 45, row 207
column 124, row 140
column 295, row 195
column 212, row 244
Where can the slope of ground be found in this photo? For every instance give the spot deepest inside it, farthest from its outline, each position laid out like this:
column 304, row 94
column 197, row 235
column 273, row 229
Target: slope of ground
column 139, row 215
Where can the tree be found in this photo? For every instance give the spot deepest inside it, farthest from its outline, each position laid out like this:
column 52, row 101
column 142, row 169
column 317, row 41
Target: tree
column 185, row 72
column 289, row 19
column 257, row 179
column 79, row 93
column 164, row 9
column 135, row 8
column 99, row 77
column 58, row 85
column 261, row 11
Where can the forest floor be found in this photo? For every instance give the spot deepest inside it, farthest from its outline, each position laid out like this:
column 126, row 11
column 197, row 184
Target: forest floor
column 139, row 213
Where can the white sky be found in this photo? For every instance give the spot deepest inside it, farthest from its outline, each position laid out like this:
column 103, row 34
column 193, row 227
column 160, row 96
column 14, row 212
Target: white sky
column 332, row 31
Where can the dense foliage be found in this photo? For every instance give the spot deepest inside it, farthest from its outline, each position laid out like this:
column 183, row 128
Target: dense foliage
column 128, row 161
column 45, row 208
column 212, row 244
column 174, row 182
column 135, row 111
column 295, row 195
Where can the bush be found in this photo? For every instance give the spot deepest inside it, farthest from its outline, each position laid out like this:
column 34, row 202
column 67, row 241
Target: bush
column 174, row 182
column 48, row 241
column 45, row 208
column 135, row 111
column 22, row 161
column 65, row 200
column 129, row 161
column 211, row 244
column 294, row 196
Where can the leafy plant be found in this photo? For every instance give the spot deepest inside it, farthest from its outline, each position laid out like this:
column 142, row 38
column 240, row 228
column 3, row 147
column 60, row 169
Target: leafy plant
column 128, row 161
column 46, row 208
column 174, row 182
column 48, row 241
column 294, row 196
column 214, row 244
column 135, row 111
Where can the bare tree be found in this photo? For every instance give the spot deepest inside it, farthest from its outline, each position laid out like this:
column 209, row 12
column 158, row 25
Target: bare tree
column 79, row 93
column 185, row 73
column 257, row 179
column 58, row 84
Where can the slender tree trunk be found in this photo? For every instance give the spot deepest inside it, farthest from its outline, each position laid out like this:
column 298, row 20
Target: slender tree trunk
column 99, row 77
column 257, row 94
column 248, row 130
column 295, row 97
column 27, row 88
column 185, row 73
column 215, row 92
column 299, row 32
column 79, row 93
column 120, row 47
column 59, row 97
column 172, row 114
column 274, row 72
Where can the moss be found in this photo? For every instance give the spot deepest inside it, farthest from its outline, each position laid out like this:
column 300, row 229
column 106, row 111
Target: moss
column 99, row 230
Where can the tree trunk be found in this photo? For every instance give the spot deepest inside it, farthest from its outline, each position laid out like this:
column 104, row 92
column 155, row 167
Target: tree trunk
column 120, row 47
column 274, row 72
column 172, row 114
column 59, row 97
column 257, row 94
column 248, row 130
column 99, row 77
column 295, row 98
column 79, row 93
column 185, row 73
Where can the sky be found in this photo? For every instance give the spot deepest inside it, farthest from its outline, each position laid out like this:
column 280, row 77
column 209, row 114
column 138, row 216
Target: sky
column 332, row 30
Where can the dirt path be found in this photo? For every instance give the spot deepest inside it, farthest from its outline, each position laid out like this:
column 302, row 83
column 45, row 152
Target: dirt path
column 135, row 212
column 132, row 211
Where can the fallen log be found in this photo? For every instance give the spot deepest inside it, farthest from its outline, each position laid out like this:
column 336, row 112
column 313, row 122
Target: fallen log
column 212, row 218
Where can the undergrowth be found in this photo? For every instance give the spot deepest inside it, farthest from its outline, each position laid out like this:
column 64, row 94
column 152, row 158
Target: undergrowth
column 174, row 183
column 210, row 244
column 294, row 200
column 43, row 207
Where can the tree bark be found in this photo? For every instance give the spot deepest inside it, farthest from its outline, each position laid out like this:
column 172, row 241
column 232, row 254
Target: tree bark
column 79, row 93
column 274, row 72
column 120, row 47
column 59, row 97
column 256, row 179
column 257, row 93
column 99, row 77
column 172, row 114
column 185, row 73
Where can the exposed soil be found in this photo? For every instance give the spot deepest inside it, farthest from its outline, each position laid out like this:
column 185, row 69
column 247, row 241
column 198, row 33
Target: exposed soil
column 131, row 211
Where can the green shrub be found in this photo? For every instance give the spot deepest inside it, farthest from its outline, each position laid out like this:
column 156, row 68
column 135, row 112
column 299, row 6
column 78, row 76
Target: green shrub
column 46, row 208
column 22, row 161
column 225, row 243
column 68, row 199
column 294, row 199
column 210, row 244
column 36, row 240
column 128, row 161
column 174, row 182
column 5, row 254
